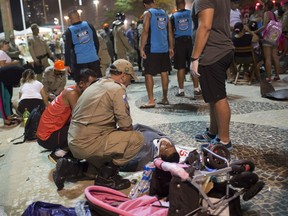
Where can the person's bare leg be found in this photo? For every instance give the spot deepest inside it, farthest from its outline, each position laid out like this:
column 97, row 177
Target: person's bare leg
column 268, row 62
column 213, row 128
column 180, row 78
column 149, row 82
column 196, row 86
column 165, row 82
column 222, row 115
column 276, row 62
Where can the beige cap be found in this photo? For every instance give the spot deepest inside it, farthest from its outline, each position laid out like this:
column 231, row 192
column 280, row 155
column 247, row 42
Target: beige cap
column 125, row 66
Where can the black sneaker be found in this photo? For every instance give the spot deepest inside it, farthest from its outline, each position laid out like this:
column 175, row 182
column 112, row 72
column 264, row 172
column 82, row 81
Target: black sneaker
column 181, row 94
column 60, row 173
column 69, row 170
column 205, row 137
column 115, row 182
column 53, row 157
column 197, row 93
column 217, row 141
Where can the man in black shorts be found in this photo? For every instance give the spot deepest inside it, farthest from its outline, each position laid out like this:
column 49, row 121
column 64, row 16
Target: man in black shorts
column 182, row 26
column 156, row 50
column 215, row 49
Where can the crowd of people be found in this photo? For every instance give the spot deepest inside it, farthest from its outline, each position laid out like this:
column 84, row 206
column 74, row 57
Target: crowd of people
column 91, row 119
column 254, row 28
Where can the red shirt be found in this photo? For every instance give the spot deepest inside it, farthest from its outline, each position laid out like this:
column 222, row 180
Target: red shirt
column 54, row 117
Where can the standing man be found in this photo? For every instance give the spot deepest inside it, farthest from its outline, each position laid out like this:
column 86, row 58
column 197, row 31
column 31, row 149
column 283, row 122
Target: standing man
column 182, row 26
column 101, row 127
column 156, row 50
column 81, row 46
column 54, row 79
column 39, row 51
column 14, row 51
column 213, row 52
column 121, row 44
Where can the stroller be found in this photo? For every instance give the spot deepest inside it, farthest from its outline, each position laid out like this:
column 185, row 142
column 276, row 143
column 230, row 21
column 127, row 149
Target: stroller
column 188, row 193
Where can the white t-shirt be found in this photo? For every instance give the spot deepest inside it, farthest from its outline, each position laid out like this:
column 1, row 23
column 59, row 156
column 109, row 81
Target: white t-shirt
column 235, row 16
column 31, row 90
column 4, row 57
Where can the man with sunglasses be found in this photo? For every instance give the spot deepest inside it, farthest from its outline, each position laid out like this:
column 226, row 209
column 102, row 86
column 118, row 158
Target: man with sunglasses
column 101, row 127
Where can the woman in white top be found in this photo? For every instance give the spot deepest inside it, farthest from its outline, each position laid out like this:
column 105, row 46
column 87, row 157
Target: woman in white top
column 5, row 60
column 31, row 93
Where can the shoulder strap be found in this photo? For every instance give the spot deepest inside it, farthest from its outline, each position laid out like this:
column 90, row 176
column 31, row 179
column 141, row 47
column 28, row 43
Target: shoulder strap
column 272, row 16
column 18, row 138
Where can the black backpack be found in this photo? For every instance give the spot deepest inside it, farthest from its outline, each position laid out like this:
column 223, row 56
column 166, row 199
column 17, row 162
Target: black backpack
column 31, row 125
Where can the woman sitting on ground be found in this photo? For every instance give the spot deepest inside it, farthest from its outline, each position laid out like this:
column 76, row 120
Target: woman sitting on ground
column 10, row 74
column 31, row 93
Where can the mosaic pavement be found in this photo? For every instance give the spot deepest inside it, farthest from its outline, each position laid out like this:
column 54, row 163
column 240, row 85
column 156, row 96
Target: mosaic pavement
column 28, row 172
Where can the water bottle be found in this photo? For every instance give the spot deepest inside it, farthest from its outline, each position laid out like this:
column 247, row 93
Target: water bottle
column 143, row 185
column 25, row 116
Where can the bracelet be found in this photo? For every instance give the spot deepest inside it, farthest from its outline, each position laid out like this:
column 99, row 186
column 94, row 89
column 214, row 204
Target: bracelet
column 194, row 59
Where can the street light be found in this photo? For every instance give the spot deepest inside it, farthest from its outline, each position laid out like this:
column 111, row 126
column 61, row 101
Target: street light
column 79, row 12
column 96, row 2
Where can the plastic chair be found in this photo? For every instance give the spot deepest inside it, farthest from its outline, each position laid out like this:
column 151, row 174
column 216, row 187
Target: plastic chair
column 240, row 61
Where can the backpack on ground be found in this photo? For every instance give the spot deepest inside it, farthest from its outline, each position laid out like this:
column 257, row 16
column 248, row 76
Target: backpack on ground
column 31, row 125
column 273, row 30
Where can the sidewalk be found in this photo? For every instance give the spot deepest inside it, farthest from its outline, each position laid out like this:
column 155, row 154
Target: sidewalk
column 259, row 132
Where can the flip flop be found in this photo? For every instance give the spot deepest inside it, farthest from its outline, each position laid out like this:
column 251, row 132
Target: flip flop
column 164, row 102
column 147, row 106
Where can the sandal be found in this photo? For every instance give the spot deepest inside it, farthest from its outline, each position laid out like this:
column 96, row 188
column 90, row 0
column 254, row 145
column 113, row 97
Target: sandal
column 164, row 102
column 276, row 78
column 268, row 79
column 10, row 123
column 147, row 106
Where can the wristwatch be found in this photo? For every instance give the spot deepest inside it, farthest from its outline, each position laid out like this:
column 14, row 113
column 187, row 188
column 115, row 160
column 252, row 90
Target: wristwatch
column 194, row 59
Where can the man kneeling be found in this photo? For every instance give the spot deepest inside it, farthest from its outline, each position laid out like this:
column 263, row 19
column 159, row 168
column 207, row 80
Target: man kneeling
column 101, row 129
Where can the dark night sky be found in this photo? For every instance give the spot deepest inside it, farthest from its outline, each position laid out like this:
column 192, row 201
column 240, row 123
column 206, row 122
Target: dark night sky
column 16, row 11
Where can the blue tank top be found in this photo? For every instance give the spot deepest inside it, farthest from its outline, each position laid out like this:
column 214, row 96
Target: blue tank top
column 158, row 31
column 183, row 23
column 82, row 38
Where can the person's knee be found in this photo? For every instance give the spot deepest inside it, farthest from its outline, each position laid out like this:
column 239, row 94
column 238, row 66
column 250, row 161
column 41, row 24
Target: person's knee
column 137, row 139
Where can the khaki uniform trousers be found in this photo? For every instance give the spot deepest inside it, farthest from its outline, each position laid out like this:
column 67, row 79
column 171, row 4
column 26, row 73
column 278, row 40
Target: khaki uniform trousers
column 120, row 147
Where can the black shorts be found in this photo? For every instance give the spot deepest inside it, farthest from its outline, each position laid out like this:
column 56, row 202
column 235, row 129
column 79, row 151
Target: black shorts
column 212, row 79
column 156, row 63
column 183, row 51
column 95, row 66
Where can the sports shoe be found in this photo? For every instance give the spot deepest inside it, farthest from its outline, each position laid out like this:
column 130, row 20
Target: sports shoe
column 181, row 94
column 217, row 141
column 197, row 93
column 53, row 157
column 205, row 137
column 109, row 177
column 70, row 170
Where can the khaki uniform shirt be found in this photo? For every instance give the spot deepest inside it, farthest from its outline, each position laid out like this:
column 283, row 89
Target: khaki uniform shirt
column 101, row 108
column 53, row 83
column 38, row 47
column 121, row 44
